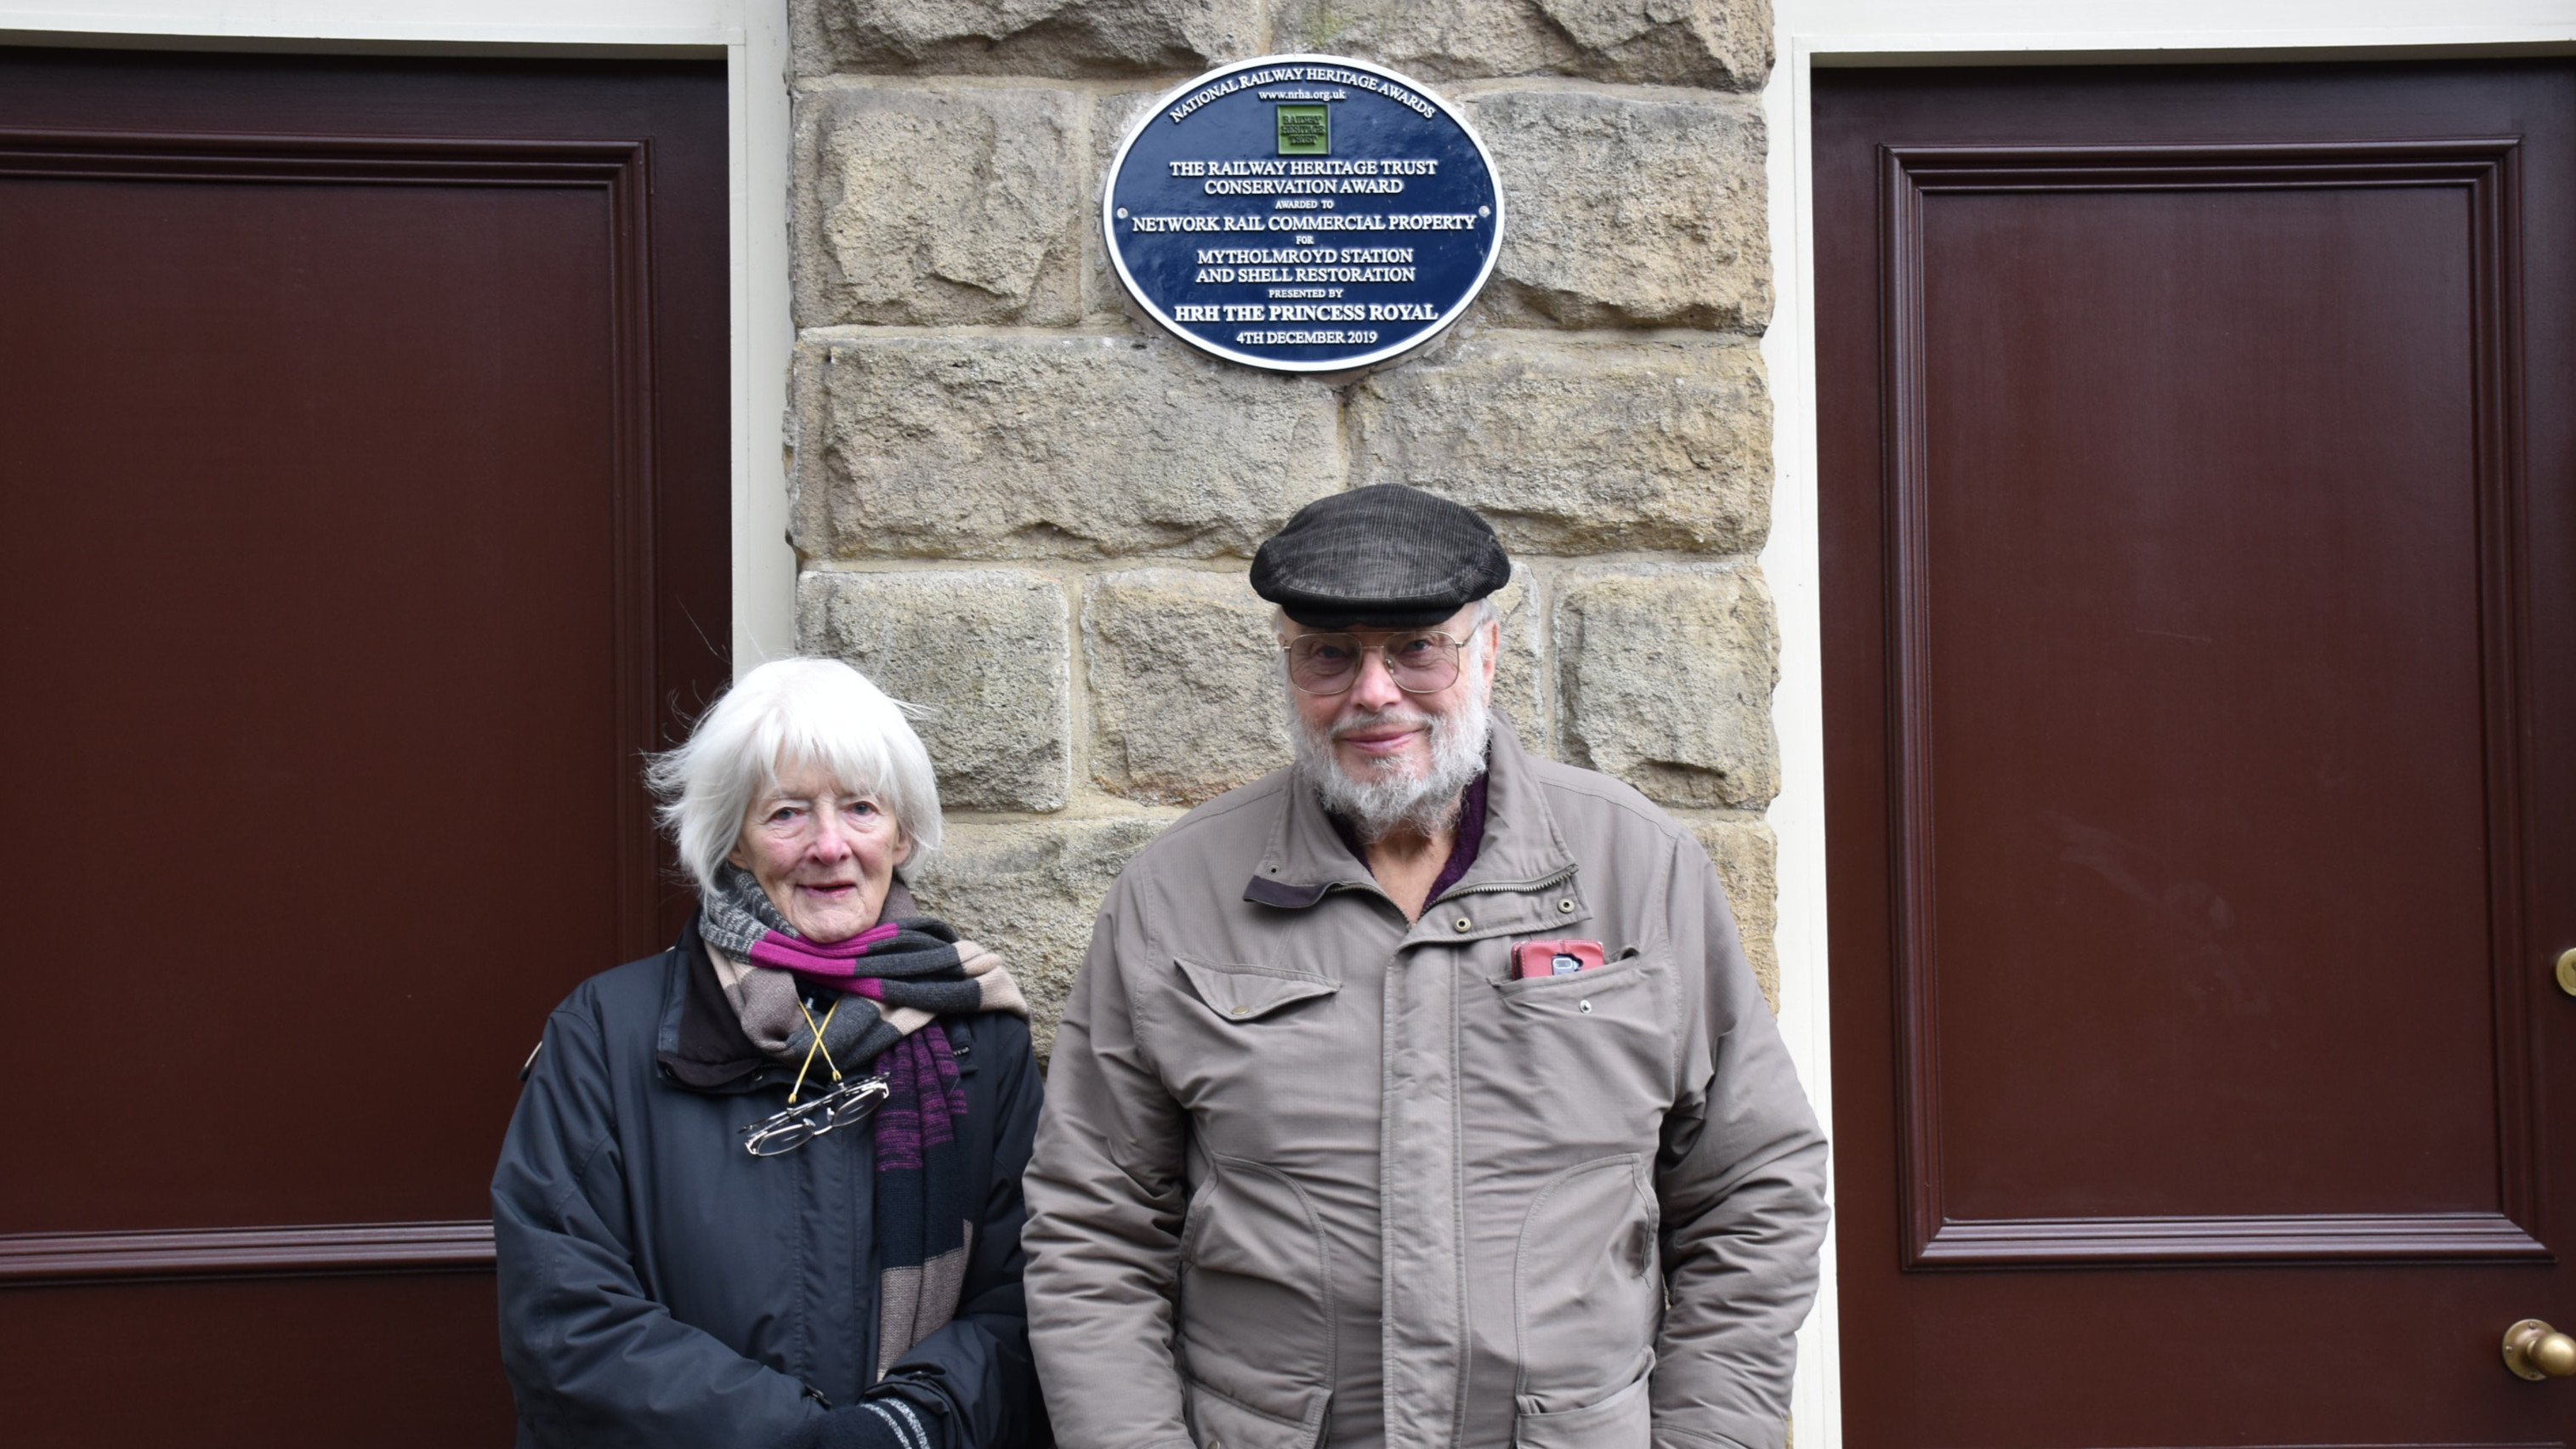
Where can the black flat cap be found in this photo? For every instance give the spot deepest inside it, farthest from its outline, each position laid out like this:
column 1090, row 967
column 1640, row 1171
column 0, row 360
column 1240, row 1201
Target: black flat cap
column 1385, row 556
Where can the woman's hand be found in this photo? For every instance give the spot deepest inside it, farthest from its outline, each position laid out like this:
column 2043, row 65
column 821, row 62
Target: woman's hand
column 885, row 1422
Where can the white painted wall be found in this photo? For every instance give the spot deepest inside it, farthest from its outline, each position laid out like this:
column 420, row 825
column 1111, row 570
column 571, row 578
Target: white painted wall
column 751, row 35
column 1810, row 33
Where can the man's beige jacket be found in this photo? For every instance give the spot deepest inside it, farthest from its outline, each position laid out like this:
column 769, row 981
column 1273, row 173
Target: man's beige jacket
column 1309, row 1173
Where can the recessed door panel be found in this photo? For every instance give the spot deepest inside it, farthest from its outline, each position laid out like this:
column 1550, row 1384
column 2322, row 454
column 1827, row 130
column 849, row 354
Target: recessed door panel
column 365, row 442
column 2193, row 551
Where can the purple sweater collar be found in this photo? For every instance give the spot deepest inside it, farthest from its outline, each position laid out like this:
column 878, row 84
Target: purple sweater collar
column 1462, row 852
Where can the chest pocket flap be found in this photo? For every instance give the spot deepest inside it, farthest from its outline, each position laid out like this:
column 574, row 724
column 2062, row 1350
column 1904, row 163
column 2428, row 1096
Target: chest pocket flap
column 1248, row 993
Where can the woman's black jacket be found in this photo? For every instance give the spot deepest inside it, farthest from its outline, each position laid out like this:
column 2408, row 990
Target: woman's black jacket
column 661, row 1286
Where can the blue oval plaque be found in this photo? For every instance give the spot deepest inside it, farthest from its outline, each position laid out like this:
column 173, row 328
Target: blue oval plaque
column 1303, row 212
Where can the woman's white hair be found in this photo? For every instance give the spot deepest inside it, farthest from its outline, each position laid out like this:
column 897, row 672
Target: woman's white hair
column 786, row 713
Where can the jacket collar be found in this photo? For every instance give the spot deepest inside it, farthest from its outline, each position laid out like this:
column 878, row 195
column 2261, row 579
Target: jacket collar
column 1306, row 859
column 701, row 1043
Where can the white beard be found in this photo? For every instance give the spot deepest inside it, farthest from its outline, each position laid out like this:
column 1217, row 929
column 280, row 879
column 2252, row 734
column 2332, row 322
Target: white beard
column 1390, row 795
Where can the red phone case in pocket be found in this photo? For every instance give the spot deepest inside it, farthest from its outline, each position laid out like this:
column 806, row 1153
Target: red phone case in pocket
column 1555, row 958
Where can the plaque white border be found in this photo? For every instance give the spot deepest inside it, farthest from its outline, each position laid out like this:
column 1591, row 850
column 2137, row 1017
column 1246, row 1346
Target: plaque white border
column 1163, row 103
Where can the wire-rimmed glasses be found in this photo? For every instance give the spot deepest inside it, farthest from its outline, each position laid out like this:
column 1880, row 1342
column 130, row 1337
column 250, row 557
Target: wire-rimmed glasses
column 844, row 1105
column 1420, row 661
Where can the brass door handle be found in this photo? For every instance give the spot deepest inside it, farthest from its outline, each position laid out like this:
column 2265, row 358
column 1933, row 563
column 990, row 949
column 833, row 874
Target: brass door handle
column 2535, row 1350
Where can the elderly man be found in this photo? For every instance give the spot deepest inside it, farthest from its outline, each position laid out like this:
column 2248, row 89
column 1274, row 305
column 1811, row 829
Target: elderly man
column 1418, row 1094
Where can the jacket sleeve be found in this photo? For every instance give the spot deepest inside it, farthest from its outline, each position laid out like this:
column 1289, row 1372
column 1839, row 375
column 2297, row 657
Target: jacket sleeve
column 974, row 1373
column 591, row 1357
column 1106, row 1196
column 1741, row 1177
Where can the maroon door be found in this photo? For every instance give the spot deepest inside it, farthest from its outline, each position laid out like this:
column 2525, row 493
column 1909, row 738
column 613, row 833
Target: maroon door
column 2199, row 547
column 362, row 516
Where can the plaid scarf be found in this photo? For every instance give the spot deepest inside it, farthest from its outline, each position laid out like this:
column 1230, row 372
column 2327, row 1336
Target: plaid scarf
column 872, row 994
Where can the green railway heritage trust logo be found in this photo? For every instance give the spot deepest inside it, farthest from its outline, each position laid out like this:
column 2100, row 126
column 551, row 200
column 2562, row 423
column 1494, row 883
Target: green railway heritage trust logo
column 1305, row 131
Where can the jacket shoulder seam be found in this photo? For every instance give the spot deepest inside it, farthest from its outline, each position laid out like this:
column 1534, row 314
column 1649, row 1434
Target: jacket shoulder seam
column 587, row 1156
column 580, row 1177
column 1618, row 796
column 1676, row 861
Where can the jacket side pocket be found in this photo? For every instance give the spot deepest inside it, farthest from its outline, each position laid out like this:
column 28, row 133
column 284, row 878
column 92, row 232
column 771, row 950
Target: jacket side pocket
column 1625, row 1420
column 1587, row 1296
column 1219, row 1422
column 1256, row 1307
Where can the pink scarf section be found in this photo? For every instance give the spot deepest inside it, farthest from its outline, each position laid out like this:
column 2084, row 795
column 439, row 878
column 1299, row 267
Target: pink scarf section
column 784, row 952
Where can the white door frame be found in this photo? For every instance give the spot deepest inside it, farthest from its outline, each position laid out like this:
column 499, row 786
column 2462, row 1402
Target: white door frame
column 1810, row 33
column 750, row 36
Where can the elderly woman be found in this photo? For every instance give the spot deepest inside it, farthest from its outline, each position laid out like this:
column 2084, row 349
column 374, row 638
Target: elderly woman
column 763, row 1189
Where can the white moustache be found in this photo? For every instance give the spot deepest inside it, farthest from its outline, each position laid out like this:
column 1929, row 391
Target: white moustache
column 1399, row 715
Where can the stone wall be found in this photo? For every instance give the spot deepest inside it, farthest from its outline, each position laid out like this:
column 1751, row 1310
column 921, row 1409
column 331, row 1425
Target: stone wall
column 1019, row 501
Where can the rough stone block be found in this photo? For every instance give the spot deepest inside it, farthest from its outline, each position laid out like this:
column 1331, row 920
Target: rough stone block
column 1102, row 292
column 1723, row 44
column 1185, row 690
column 950, row 206
column 1022, row 37
column 1520, row 673
column 1067, row 447
column 1747, row 858
column 986, row 649
column 1580, row 449
column 1623, row 211
column 1031, row 892
column 1665, row 680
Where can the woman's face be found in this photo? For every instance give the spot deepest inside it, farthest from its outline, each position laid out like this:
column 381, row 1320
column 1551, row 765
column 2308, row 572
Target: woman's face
column 825, row 855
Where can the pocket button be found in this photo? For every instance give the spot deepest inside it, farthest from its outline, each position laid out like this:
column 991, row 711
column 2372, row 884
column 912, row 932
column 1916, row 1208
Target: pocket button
column 1464, row 924
column 1586, row 1007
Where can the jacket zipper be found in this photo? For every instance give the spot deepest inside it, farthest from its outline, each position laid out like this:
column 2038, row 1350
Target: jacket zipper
column 1531, row 887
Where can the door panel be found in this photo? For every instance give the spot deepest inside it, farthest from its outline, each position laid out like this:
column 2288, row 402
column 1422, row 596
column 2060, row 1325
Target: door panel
column 273, row 1361
column 362, row 518
column 2196, row 802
